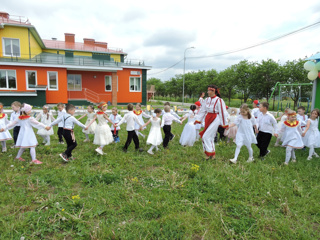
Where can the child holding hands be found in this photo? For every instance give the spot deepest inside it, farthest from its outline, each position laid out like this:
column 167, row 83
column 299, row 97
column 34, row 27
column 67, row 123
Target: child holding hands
column 311, row 133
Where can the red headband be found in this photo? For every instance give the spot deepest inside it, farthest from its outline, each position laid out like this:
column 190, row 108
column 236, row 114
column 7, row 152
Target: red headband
column 215, row 89
column 292, row 114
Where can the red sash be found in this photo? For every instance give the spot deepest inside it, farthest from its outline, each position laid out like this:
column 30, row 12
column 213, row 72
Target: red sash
column 208, row 120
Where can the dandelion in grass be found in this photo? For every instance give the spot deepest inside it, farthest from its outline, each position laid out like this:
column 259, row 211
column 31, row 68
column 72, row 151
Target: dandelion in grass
column 193, row 170
column 135, row 179
column 62, row 209
column 76, row 197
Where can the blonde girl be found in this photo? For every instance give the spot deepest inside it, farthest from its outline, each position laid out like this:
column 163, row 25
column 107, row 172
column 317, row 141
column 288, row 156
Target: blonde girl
column 311, row 133
column 90, row 115
column 46, row 118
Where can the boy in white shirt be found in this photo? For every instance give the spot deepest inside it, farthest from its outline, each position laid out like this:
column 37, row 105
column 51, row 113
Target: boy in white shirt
column 61, row 112
column 302, row 118
column 266, row 125
column 14, row 115
column 115, row 118
column 166, row 125
column 131, row 119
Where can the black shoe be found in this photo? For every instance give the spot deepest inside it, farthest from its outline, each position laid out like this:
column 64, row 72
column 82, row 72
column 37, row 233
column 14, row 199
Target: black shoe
column 139, row 149
column 268, row 151
column 172, row 137
column 124, row 150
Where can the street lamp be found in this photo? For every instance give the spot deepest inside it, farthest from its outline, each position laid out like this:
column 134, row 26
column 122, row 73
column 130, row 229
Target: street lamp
column 184, row 69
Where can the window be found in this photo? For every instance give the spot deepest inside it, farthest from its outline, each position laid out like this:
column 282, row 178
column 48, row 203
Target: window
column 8, row 79
column 135, row 84
column 11, row 47
column 31, row 77
column 108, row 83
column 74, row 82
column 53, row 81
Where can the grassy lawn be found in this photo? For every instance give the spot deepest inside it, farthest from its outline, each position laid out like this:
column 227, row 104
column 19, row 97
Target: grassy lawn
column 137, row 196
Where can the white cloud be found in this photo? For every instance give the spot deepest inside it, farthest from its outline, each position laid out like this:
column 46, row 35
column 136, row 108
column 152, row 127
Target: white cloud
column 159, row 32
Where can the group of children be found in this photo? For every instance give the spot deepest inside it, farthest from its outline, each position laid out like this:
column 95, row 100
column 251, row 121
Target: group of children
column 245, row 128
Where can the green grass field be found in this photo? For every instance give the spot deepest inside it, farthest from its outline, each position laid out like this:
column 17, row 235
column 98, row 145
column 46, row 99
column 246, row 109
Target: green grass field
column 138, row 196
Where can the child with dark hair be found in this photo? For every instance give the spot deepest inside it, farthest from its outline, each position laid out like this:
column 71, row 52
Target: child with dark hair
column 155, row 136
column 131, row 119
column 267, row 124
column 302, row 118
column 188, row 135
column 166, row 125
column 68, row 121
column 140, row 114
column 311, row 133
column 90, row 115
column 115, row 118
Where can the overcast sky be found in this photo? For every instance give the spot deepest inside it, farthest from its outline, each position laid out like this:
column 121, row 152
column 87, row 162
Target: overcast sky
column 158, row 32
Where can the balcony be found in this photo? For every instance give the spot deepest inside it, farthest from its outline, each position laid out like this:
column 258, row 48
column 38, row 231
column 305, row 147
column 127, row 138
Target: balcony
column 11, row 19
column 59, row 59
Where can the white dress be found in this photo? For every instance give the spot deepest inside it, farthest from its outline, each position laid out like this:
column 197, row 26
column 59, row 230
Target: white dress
column 198, row 126
column 188, row 135
column 26, row 137
column 155, row 136
column 291, row 135
column 4, row 136
column 312, row 136
column 102, row 133
column 245, row 134
column 140, row 114
column 280, row 124
column 46, row 120
column 93, row 126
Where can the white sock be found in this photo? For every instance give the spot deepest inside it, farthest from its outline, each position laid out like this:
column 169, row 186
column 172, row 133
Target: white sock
column 311, row 151
column 4, row 144
column 48, row 139
column 197, row 134
column 288, row 154
column 250, row 151
column 33, row 153
column 102, row 146
column 236, row 154
column 151, row 148
column 87, row 136
column 21, row 150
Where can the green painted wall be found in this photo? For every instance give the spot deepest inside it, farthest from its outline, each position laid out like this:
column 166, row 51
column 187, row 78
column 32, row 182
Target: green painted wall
column 144, row 87
column 37, row 101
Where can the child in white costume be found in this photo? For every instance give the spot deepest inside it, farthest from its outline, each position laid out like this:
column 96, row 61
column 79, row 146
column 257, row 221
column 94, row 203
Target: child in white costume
column 46, row 118
column 283, row 118
column 232, row 132
column 4, row 136
column 140, row 114
column 245, row 136
column 102, row 134
column 198, row 126
column 311, row 133
column 155, row 136
column 115, row 118
column 90, row 115
column 188, row 135
column 291, row 136
column 26, row 137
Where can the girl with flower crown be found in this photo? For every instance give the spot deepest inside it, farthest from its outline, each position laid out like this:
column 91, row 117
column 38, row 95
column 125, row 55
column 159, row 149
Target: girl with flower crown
column 4, row 136
column 140, row 114
column 26, row 137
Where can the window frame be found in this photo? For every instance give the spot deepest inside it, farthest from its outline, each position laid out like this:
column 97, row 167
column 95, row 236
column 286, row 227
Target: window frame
column 74, row 84
column 110, row 77
column 27, row 80
column 48, row 81
column 7, row 79
column 3, row 47
column 135, row 83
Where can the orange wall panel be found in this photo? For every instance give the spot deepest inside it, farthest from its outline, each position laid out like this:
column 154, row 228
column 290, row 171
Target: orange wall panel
column 124, row 94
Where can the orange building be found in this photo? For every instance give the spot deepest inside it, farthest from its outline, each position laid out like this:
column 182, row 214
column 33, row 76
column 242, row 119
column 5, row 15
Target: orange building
column 39, row 71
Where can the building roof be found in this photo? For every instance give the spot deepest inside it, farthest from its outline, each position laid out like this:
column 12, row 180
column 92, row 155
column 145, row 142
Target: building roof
column 77, row 46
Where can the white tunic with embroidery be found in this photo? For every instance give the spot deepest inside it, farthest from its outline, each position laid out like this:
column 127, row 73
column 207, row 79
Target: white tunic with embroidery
column 26, row 137
column 312, row 137
column 115, row 119
column 102, row 134
column 291, row 135
column 93, row 126
column 46, row 119
column 245, row 134
column 4, row 136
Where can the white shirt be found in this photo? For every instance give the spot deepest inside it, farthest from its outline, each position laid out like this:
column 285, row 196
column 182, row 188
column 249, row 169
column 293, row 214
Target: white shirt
column 14, row 116
column 67, row 121
column 60, row 114
column 173, row 113
column 267, row 123
column 255, row 112
column 130, row 118
column 303, row 120
column 115, row 119
column 213, row 105
column 168, row 118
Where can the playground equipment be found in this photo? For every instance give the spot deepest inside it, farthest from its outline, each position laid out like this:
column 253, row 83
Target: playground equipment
column 278, row 84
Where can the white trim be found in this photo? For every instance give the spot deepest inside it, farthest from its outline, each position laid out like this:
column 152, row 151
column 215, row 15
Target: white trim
column 110, row 78
column 27, row 80
column 137, row 67
column 73, row 84
column 135, row 77
column 48, row 81
column 4, row 46
column 68, row 67
column 7, row 80
column 32, row 94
